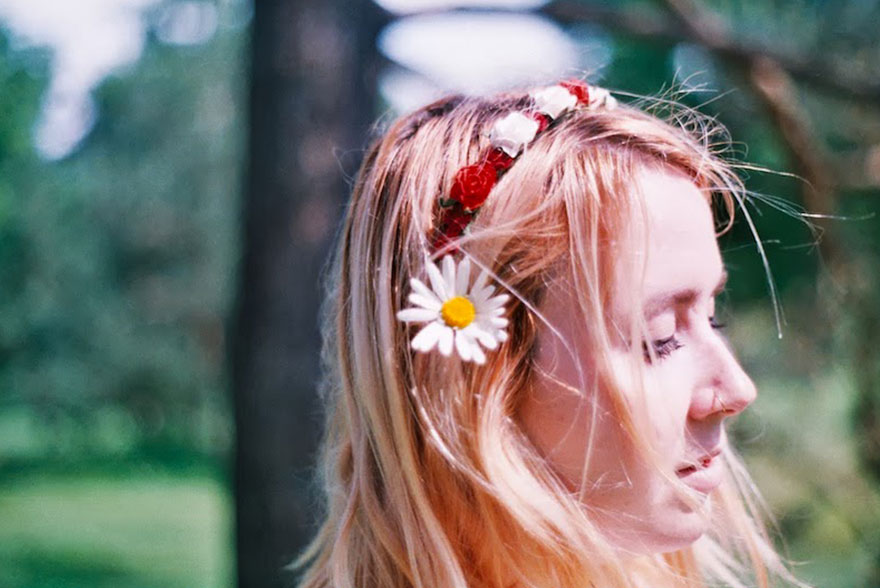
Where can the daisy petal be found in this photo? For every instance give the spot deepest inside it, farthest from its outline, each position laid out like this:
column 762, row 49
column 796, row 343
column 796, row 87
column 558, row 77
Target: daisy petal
column 482, row 335
column 436, row 281
column 463, row 345
column 497, row 301
column 425, row 302
column 416, row 315
column 478, row 297
column 465, row 341
column 486, row 293
column 479, row 356
column 445, row 346
column 420, row 288
column 481, row 281
column 462, row 277
column 497, row 321
column 449, row 276
column 498, row 311
column 427, row 338
column 501, row 336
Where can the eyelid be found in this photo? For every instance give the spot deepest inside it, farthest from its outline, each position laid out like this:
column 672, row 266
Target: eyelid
column 666, row 345
column 662, row 325
column 662, row 347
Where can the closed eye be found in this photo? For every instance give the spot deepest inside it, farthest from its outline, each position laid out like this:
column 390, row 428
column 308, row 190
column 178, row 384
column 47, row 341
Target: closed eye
column 661, row 347
column 664, row 347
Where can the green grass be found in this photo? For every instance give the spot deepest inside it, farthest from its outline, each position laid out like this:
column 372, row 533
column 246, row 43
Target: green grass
column 144, row 530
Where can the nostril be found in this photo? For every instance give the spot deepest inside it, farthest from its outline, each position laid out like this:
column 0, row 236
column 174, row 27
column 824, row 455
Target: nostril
column 719, row 405
column 738, row 399
column 735, row 390
column 734, row 398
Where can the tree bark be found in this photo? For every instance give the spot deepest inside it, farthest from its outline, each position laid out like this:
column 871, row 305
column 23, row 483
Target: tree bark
column 311, row 99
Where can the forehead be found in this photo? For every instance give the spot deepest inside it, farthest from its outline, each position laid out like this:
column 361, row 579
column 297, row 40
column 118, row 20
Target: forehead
column 680, row 252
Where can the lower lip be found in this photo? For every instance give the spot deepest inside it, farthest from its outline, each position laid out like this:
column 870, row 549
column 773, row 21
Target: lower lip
column 703, row 478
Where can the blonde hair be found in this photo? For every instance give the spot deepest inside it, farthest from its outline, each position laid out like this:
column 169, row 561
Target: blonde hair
column 429, row 480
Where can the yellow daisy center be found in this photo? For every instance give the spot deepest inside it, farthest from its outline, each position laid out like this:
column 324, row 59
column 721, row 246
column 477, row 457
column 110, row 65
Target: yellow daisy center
column 458, row 312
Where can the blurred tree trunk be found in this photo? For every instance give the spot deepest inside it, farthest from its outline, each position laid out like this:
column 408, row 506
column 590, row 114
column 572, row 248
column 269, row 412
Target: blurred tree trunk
column 311, row 99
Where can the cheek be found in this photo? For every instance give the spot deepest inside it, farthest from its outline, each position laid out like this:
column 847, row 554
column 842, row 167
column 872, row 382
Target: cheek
column 658, row 404
column 567, row 427
column 558, row 421
column 667, row 401
column 554, row 413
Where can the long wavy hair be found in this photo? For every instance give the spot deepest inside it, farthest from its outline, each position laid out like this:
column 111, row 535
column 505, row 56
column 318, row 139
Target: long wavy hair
column 429, row 479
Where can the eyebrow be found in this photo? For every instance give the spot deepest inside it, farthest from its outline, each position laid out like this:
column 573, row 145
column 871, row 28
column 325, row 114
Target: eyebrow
column 656, row 304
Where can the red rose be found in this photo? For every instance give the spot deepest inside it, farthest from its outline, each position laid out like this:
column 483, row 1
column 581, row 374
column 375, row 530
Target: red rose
column 455, row 220
column 543, row 120
column 472, row 185
column 580, row 90
column 498, row 159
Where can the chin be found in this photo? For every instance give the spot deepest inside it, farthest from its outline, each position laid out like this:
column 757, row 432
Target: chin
column 653, row 542
column 680, row 531
column 681, row 540
column 671, row 530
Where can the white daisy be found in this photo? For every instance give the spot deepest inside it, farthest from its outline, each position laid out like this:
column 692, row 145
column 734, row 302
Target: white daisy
column 459, row 317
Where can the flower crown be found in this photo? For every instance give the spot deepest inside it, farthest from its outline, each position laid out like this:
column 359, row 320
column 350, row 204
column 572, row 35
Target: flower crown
column 508, row 138
column 463, row 317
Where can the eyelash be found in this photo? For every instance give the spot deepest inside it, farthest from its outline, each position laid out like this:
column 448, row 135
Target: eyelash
column 664, row 347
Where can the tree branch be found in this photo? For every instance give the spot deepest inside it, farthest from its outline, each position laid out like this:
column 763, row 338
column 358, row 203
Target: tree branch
column 771, row 82
column 659, row 28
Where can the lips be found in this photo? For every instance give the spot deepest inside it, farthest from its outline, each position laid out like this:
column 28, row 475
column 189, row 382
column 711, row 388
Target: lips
column 704, row 473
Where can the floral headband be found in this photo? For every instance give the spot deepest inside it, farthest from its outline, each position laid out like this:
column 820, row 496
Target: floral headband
column 460, row 316
column 508, row 138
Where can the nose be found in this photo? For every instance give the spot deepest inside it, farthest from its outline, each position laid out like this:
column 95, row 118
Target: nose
column 723, row 387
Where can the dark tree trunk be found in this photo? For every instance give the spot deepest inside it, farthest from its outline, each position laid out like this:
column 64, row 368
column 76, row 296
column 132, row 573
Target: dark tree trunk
column 311, row 98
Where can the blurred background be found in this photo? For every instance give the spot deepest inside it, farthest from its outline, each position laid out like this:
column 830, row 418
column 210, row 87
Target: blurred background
column 171, row 176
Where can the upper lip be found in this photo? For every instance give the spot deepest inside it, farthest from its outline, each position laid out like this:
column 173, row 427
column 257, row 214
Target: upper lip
column 708, row 456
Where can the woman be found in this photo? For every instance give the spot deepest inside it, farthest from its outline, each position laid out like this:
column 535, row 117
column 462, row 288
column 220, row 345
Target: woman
column 527, row 384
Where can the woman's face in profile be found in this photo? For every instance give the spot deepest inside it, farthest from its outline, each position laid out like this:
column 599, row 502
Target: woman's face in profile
column 691, row 387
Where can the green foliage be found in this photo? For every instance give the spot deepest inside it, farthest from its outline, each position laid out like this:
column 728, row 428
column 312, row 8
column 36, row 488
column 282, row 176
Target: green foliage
column 116, row 276
column 117, row 263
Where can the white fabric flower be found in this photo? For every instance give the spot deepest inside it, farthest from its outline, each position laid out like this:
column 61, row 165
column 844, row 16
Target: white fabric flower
column 513, row 132
column 601, row 98
column 459, row 317
column 554, row 100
